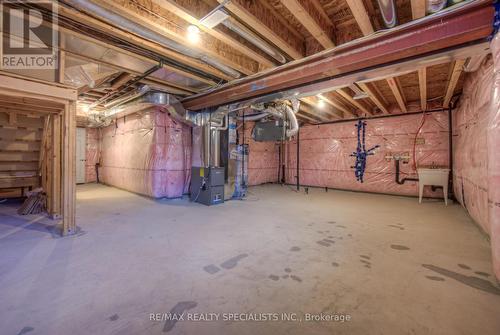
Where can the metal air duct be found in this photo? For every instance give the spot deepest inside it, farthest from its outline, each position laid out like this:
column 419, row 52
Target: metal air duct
column 388, row 12
column 146, row 98
column 255, row 40
column 128, row 25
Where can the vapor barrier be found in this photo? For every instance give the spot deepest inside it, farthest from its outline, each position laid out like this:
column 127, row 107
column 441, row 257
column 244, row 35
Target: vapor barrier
column 263, row 157
column 493, row 142
column 325, row 153
column 470, row 149
column 147, row 153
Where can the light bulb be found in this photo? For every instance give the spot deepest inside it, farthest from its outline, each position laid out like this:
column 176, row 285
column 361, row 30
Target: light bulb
column 193, row 34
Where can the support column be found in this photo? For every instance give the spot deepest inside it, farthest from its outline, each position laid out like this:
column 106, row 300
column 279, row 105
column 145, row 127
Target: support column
column 69, row 168
column 54, row 168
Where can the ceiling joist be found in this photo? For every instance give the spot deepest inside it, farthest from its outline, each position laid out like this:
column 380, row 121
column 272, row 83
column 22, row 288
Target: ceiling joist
column 258, row 16
column 374, row 96
column 361, row 16
column 353, row 101
column 309, row 104
column 140, row 42
column 187, row 10
column 312, row 19
column 330, row 99
column 398, row 93
column 415, row 42
column 422, row 83
column 174, row 31
column 456, row 71
column 418, row 8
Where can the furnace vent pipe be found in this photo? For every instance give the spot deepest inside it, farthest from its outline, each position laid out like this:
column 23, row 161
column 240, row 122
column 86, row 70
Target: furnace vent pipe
column 280, row 111
column 434, row 6
column 128, row 25
column 294, row 124
column 388, row 12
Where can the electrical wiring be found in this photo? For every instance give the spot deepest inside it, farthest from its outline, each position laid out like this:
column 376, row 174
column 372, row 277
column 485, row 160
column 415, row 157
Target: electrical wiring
column 422, row 122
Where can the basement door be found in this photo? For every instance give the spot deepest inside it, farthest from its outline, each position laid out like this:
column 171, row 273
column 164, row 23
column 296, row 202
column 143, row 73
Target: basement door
column 81, row 143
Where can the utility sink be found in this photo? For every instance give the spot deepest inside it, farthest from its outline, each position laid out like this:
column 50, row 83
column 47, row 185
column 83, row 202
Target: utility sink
column 433, row 177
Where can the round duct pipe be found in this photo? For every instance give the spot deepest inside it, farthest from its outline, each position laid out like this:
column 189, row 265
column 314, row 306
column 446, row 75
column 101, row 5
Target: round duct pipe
column 128, row 25
column 388, row 12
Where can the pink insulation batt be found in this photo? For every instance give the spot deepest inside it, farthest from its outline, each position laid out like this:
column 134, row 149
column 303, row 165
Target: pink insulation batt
column 325, row 151
column 493, row 143
column 91, row 154
column 476, row 149
column 470, row 151
column 147, row 153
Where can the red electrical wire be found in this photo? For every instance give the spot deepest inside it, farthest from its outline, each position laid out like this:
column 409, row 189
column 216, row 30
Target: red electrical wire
column 422, row 122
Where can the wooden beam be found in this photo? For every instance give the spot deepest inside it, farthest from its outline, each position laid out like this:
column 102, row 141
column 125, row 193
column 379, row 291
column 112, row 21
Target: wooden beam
column 27, row 101
column 371, row 91
column 308, row 15
column 148, row 45
column 360, row 14
column 55, row 165
column 120, row 80
column 176, row 32
column 45, row 135
column 12, row 119
column 61, row 59
column 27, row 112
column 301, row 115
column 32, row 86
column 150, row 61
column 422, row 83
column 30, row 108
column 332, row 101
column 398, row 93
column 256, row 15
column 354, row 102
column 412, row 43
column 457, row 69
column 69, row 169
column 185, row 10
column 310, row 105
column 170, row 87
column 418, row 8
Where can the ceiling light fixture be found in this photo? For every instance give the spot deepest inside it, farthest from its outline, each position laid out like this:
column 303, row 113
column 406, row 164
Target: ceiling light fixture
column 193, row 34
column 321, row 104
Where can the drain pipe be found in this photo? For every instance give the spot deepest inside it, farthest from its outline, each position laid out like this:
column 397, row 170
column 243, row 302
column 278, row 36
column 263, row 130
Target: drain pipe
column 294, row 124
column 128, row 25
column 402, row 181
column 298, row 162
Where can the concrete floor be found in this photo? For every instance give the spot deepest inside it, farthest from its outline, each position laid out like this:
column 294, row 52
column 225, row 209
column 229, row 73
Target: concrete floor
column 389, row 264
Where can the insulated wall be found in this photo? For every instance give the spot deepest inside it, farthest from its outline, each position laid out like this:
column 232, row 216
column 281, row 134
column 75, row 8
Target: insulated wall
column 470, row 151
column 476, row 153
column 325, row 153
column 147, row 153
column 493, row 142
column 263, row 157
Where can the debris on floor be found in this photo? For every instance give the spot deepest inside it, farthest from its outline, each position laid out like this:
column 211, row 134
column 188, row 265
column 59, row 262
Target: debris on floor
column 34, row 203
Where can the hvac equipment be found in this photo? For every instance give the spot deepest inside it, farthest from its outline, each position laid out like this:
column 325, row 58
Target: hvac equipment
column 207, row 185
